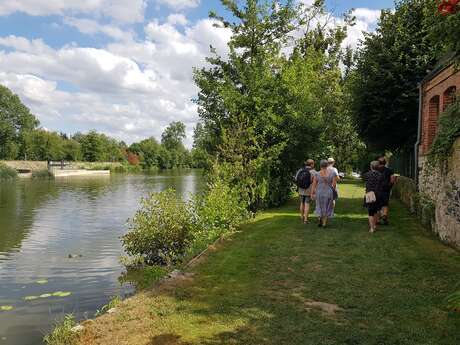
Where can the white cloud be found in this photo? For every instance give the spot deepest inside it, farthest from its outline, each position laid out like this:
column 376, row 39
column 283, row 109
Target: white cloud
column 130, row 89
column 177, row 19
column 89, row 26
column 367, row 15
column 179, row 4
column 127, row 11
column 366, row 21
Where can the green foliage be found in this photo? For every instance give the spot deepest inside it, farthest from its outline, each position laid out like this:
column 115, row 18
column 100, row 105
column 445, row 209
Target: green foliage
column 114, row 302
column 390, row 64
column 6, row 172
column 41, row 145
column 161, row 229
column 448, row 132
column 20, row 138
column 15, row 121
column 143, row 277
column 217, row 212
column 262, row 112
column 62, row 334
column 173, row 135
column 148, row 150
column 97, row 147
column 445, row 33
column 166, row 230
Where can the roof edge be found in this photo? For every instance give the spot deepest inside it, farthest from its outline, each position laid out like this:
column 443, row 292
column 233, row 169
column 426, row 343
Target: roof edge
column 446, row 61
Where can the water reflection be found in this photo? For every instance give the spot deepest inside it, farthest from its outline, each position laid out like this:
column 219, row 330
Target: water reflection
column 42, row 222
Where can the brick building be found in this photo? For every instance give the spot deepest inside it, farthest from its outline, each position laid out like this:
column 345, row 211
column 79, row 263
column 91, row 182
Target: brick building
column 440, row 186
column 438, row 91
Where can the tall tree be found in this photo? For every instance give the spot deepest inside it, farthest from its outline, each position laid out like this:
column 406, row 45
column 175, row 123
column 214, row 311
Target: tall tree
column 173, row 135
column 390, row 64
column 15, row 121
column 263, row 108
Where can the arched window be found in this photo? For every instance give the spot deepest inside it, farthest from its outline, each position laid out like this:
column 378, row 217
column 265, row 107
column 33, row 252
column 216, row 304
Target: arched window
column 448, row 97
column 431, row 123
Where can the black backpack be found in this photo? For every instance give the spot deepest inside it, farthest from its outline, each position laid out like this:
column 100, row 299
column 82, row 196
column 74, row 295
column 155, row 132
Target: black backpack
column 303, row 178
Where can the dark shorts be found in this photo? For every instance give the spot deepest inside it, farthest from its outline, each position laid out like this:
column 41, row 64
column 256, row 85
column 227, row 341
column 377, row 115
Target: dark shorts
column 305, row 199
column 373, row 208
column 385, row 199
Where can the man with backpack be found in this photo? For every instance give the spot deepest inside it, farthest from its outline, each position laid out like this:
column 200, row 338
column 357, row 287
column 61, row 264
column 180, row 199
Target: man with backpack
column 304, row 179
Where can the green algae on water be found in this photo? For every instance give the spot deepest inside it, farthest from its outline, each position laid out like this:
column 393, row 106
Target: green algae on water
column 42, row 281
column 6, row 307
column 31, row 298
column 61, row 294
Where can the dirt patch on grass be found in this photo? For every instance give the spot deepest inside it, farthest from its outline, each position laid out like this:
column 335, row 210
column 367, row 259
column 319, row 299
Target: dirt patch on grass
column 131, row 324
column 174, row 280
column 295, row 258
column 327, row 309
column 167, row 339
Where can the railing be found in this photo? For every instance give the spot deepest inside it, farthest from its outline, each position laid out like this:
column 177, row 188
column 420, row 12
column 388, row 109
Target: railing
column 52, row 165
column 403, row 163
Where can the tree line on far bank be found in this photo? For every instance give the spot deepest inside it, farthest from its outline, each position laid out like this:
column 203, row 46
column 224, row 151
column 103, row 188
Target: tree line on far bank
column 21, row 138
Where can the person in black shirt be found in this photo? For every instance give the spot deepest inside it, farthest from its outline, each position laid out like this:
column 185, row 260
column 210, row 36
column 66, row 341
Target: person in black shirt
column 374, row 182
column 389, row 179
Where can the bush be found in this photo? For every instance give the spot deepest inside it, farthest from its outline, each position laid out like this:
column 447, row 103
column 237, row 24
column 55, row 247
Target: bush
column 161, row 229
column 6, row 172
column 217, row 212
column 126, row 168
column 62, row 334
column 166, row 230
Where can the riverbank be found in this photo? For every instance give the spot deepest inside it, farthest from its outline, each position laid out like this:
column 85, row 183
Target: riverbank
column 280, row 282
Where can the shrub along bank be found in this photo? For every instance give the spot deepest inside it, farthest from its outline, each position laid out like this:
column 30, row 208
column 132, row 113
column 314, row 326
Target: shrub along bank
column 166, row 230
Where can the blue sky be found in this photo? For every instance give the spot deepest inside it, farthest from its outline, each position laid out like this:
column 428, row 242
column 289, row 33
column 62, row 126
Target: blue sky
column 123, row 67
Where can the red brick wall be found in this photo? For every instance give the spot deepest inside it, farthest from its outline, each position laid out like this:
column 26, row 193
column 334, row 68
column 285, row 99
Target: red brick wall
column 437, row 94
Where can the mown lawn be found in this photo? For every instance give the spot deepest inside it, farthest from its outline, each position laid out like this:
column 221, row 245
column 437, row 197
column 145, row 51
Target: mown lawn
column 262, row 286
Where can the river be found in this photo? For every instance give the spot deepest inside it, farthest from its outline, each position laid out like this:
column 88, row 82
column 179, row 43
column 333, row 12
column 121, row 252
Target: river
column 43, row 221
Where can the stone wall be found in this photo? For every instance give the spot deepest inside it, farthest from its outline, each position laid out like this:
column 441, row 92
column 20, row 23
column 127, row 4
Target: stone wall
column 27, row 165
column 442, row 186
column 419, row 204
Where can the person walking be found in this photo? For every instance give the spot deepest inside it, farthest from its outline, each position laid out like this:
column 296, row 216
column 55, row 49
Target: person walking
column 374, row 182
column 304, row 180
column 389, row 179
column 331, row 167
column 323, row 192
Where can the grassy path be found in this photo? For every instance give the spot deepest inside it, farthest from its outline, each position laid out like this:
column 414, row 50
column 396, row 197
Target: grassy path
column 262, row 286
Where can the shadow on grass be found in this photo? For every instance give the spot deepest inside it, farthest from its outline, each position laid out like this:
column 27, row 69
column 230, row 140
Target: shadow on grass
column 255, row 289
column 167, row 339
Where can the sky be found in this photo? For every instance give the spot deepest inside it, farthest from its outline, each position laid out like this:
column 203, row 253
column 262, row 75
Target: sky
column 122, row 67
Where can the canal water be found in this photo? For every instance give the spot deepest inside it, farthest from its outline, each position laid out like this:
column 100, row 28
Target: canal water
column 42, row 222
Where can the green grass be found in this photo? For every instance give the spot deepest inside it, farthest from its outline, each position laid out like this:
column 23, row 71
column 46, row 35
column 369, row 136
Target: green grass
column 62, row 334
column 113, row 303
column 391, row 285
